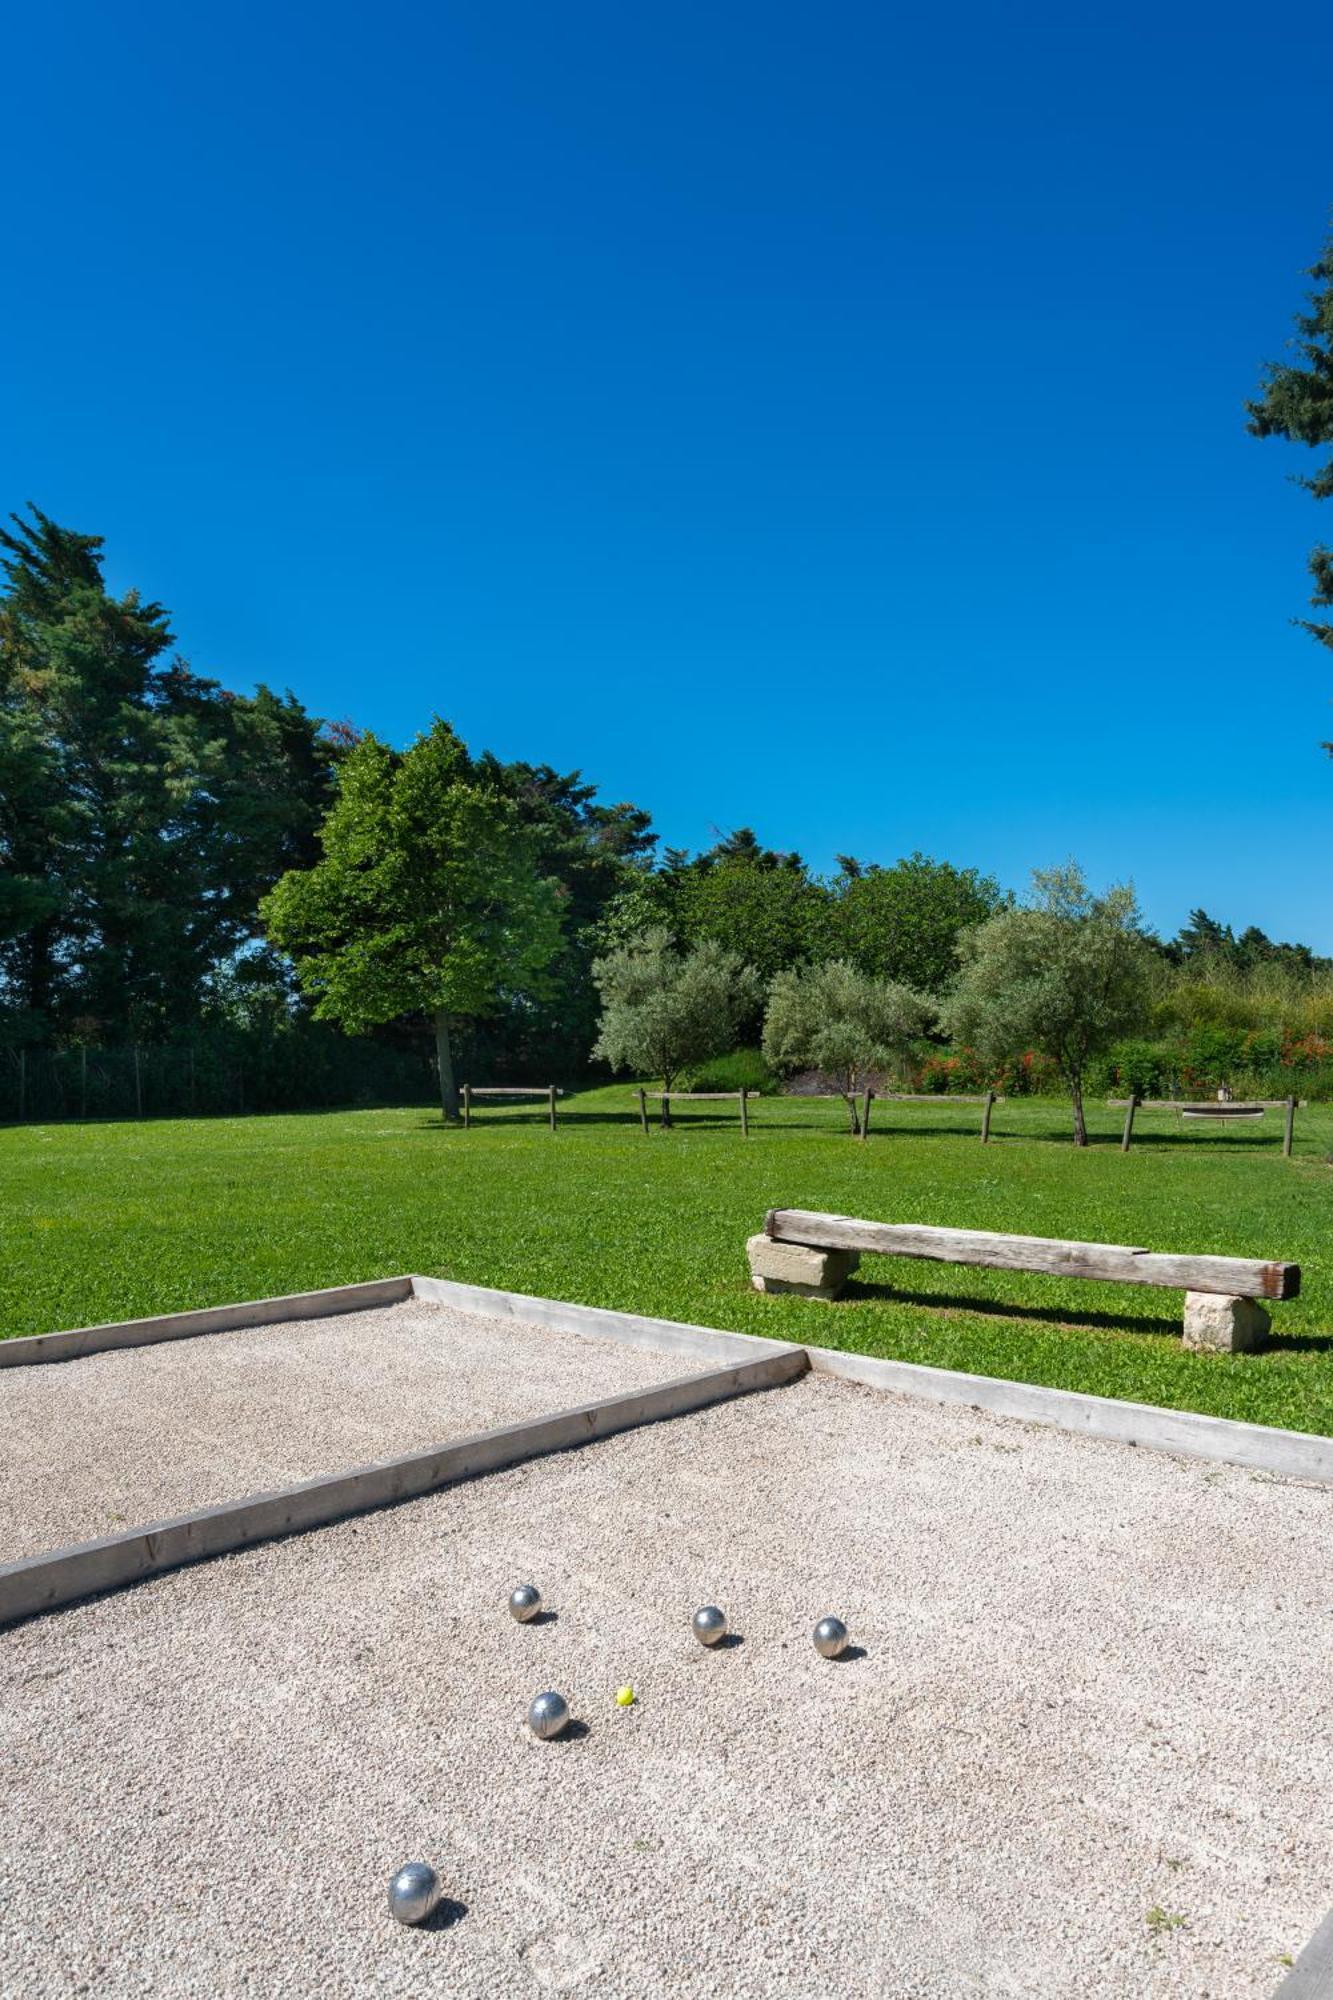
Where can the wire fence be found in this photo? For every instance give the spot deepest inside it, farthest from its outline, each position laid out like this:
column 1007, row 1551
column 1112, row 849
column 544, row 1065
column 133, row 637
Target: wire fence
column 220, row 1074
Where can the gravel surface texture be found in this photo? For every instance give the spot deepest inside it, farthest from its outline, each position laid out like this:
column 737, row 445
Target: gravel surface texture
column 1083, row 1749
column 138, row 1434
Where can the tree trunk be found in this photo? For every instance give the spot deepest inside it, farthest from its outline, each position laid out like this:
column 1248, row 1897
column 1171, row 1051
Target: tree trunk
column 851, row 1107
column 445, row 1062
column 1076, row 1092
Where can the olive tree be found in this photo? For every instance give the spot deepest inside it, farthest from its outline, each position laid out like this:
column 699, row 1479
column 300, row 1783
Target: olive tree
column 664, row 1010
column 836, row 1018
column 1067, row 974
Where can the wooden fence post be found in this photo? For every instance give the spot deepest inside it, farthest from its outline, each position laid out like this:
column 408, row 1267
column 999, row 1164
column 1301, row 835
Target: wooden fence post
column 865, row 1110
column 745, row 1122
column 1289, row 1128
column 1128, row 1132
column 138, row 1086
column 643, row 1112
column 83, row 1079
column 986, row 1110
column 23, row 1085
column 467, row 1107
column 553, row 1107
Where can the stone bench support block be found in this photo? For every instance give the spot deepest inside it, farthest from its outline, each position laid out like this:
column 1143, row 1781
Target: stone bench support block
column 1215, row 1324
column 793, row 1267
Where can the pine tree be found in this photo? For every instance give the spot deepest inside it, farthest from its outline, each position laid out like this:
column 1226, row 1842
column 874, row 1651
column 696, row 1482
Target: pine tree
column 1296, row 402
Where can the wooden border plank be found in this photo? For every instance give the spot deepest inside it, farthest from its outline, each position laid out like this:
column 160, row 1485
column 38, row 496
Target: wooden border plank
column 27, row 1349
column 1311, row 1978
column 46, row 1582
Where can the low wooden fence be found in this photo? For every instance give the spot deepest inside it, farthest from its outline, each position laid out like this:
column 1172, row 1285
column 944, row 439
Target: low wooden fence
column 740, row 1097
column 1217, row 1111
column 865, row 1098
column 472, row 1091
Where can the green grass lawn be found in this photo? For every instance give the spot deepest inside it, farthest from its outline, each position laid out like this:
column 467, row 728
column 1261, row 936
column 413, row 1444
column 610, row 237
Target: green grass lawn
column 111, row 1221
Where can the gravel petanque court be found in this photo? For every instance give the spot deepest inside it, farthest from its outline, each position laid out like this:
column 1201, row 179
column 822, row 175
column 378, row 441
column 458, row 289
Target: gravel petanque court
column 134, row 1434
column 1083, row 1748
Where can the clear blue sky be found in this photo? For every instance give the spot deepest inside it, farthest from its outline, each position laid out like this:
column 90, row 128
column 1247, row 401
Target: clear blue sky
column 827, row 419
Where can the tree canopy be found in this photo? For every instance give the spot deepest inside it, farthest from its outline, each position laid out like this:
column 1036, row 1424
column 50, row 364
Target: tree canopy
column 143, row 808
column 1295, row 402
column 836, row 1018
column 905, row 922
column 663, row 1010
column 1067, row 974
column 427, row 900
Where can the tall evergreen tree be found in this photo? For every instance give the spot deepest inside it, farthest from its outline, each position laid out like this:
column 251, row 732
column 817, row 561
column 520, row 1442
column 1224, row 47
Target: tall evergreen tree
column 143, row 810
column 1296, row 402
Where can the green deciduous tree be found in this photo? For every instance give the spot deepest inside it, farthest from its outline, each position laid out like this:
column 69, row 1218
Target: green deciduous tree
column 905, row 922
column 835, row 1017
column 427, row 900
column 1296, row 402
column 1067, row 975
column 663, row 1010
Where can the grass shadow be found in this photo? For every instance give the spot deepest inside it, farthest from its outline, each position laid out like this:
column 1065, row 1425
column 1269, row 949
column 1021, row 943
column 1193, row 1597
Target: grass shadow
column 1001, row 1309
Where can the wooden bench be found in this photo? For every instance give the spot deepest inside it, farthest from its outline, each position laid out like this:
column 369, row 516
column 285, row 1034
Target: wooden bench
column 803, row 1251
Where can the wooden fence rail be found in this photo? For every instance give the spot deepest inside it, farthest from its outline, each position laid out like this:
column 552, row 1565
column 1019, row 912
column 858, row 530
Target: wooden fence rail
column 1220, row 1109
column 740, row 1097
column 474, row 1090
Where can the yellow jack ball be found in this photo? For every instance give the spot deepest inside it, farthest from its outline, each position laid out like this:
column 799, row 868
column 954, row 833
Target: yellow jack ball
column 625, row 1697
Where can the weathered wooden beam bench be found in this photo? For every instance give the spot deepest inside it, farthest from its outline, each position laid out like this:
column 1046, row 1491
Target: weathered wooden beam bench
column 801, row 1250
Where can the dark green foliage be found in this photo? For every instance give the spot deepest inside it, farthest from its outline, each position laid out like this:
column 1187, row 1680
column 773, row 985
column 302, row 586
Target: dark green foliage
column 143, row 809
column 596, row 853
column 743, row 1069
column 1296, row 402
column 1203, row 944
column 905, row 922
column 762, row 904
column 426, row 901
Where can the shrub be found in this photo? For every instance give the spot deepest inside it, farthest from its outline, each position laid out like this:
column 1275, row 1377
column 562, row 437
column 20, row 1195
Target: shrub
column 743, row 1069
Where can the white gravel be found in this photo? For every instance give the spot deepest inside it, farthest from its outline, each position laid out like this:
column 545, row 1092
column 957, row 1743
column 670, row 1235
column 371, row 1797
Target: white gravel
column 1094, row 1686
column 134, row 1435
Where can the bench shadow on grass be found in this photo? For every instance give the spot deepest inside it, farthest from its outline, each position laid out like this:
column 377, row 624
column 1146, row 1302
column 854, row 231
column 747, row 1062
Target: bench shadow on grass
column 1091, row 1321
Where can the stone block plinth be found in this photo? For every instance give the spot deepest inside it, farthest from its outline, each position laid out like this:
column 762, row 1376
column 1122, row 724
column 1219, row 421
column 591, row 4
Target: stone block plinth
column 794, row 1267
column 1215, row 1324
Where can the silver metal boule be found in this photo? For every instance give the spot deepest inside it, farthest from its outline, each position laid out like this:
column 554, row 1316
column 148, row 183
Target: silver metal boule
column 414, row 1893
column 709, row 1624
column 525, row 1602
column 548, row 1715
column 831, row 1637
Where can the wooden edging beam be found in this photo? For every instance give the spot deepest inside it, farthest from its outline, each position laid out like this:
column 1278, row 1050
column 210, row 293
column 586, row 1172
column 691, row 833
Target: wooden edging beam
column 24, row 1350
column 1184, row 1433
column 1113, row 1263
column 748, row 1363
column 46, row 1582
column 1311, row 1978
